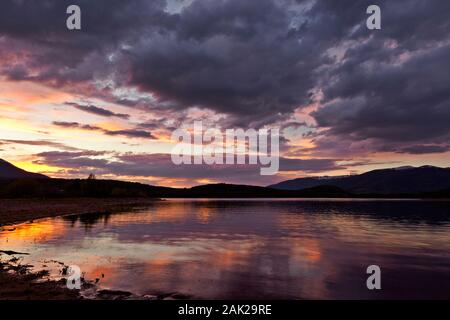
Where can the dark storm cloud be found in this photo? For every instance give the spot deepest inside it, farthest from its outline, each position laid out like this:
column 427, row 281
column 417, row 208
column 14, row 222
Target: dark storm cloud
column 424, row 149
column 391, row 91
column 37, row 32
column 80, row 159
column 255, row 61
column 404, row 103
column 160, row 165
column 104, row 22
column 130, row 133
column 46, row 143
column 68, row 154
column 98, row 111
column 242, row 58
column 309, row 165
column 76, row 125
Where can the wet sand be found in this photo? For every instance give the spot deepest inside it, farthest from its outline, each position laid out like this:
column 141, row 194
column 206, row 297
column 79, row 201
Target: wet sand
column 17, row 282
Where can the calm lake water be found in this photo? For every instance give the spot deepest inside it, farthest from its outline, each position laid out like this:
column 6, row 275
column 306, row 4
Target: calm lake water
column 257, row 249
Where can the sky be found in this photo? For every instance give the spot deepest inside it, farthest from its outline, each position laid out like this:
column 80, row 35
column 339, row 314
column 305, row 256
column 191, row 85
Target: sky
column 106, row 99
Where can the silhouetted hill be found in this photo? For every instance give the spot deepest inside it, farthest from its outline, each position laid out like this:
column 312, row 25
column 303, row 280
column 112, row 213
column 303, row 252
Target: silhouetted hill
column 10, row 171
column 222, row 190
column 65, row 188
column 407, row 180
column 423, row 182
column 70, row 188
column 73, row 188
column 445, row 193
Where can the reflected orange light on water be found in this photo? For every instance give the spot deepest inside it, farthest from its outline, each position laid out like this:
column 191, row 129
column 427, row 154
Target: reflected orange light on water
column 205, row 214
column 35, row 231
column 306, row 250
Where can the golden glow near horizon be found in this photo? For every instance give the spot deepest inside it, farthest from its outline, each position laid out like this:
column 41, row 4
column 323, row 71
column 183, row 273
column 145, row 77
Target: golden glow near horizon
column 28, row 112
column 34, row 167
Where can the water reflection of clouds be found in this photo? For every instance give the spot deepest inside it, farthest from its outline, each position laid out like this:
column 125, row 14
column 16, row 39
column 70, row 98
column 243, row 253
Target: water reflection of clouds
column 242, row 249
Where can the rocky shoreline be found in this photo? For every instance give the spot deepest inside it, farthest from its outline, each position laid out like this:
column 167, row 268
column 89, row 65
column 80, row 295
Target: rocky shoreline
column 19, row 282
column 14, row 211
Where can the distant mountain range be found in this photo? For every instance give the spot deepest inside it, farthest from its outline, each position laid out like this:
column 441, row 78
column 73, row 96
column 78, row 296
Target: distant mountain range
column 10, row 171
column 403, row 180
column 422, row 182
